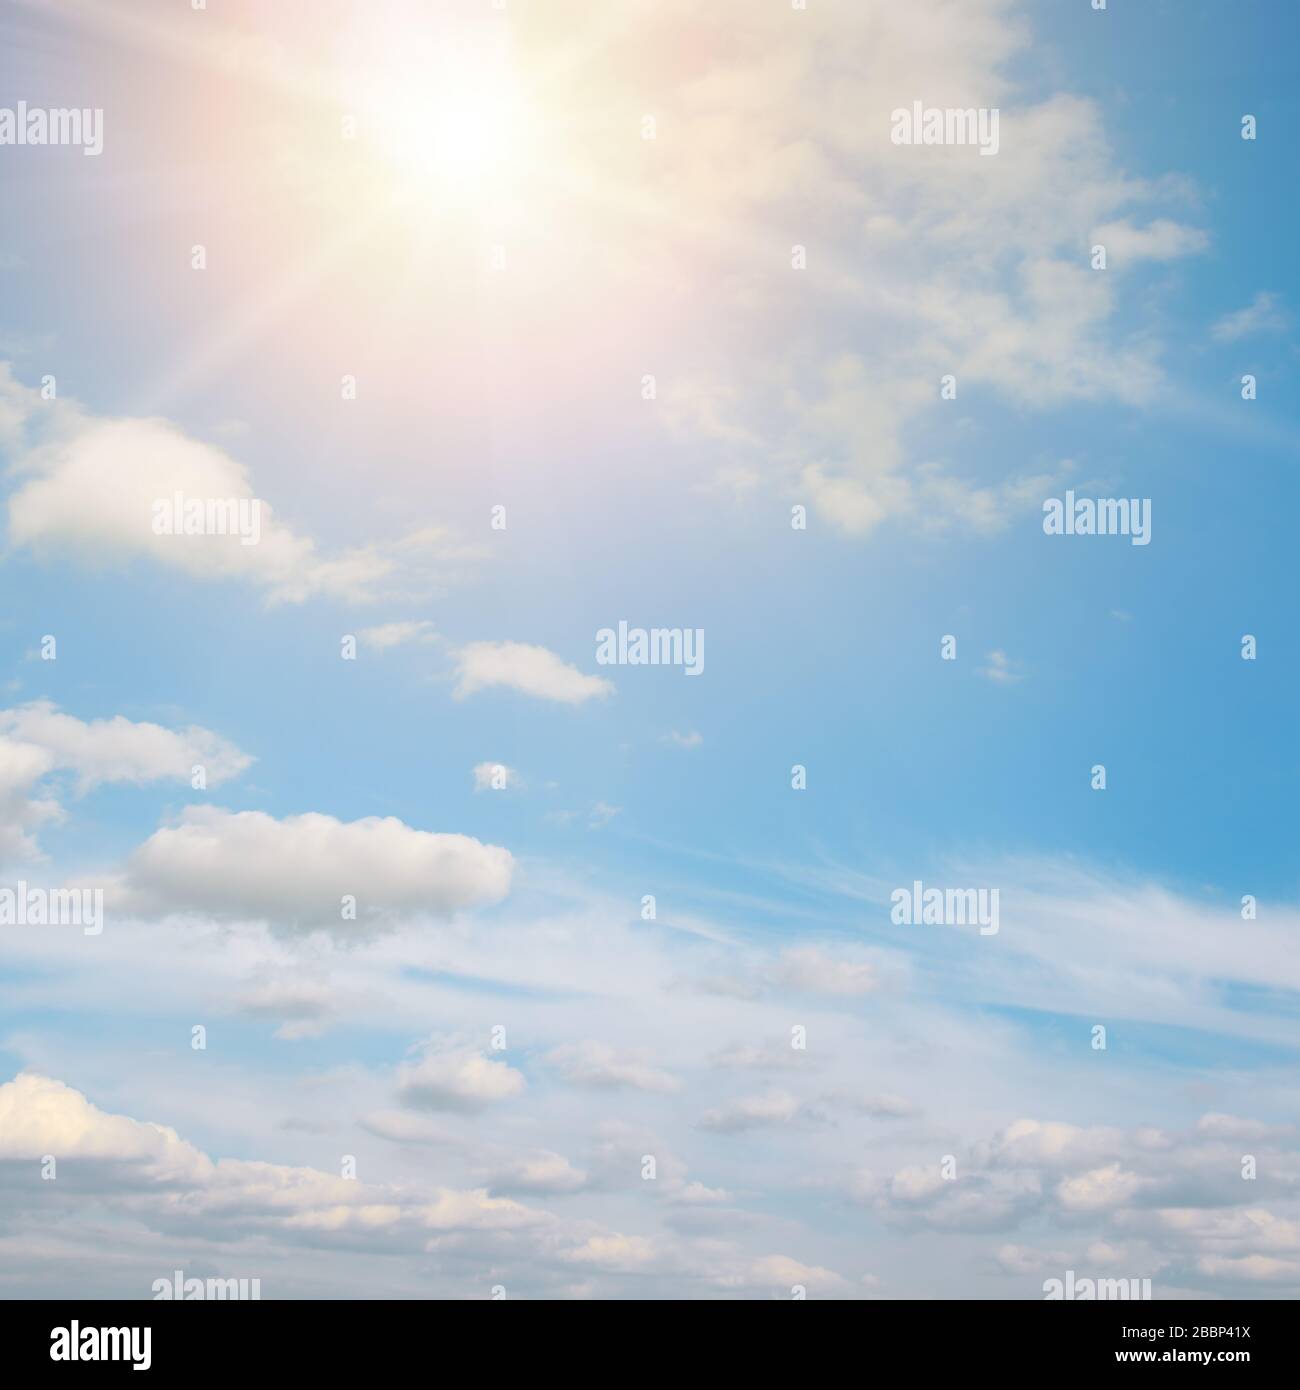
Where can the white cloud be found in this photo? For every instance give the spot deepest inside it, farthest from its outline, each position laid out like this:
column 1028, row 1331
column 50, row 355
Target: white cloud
column 784, row 1273
column 883, row 1107
column 538, row 1172
column 1161, row 240
column 87, row 492
column 596, row 1064
column 615, row 1252
column 753, row 1112
column 17, row 405
column 22, row 813
column 1025, row 1259
column 304, row 1007
column 1250, row 1269
column 694, row 1194
column 1219, row 1126
column 816, row 971
column 1167, row 1199
column 931, row 262
column 1170, row 1197
column 118, row 750
column 163, row 1198
column 39, row 1115
column 402, row 1127
column 249, row 865
column 1053, row 1144
column 397, row 634
column 1099, row 1189
column 156, row 1175
column 528, row 669
column 1262, row 315
column 453, row 1076
column 37, row 742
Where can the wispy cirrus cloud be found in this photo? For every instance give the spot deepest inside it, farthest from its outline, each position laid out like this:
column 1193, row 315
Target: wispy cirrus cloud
column 1264, row 314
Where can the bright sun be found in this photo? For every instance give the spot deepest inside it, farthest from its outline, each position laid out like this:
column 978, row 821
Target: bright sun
column 449, row 118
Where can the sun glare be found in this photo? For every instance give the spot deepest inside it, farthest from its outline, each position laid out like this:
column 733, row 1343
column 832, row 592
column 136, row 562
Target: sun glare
column 450, row 123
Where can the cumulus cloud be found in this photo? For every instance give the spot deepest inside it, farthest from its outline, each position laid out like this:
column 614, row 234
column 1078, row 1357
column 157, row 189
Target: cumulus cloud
column 39, row 1115
column 22, row 813
column 298, row 871
column 1160, row 1203
column 615, row 1252
column 543, row 1171
column 160, row 1178
column 978, row 1201
column 781, row 1271
column 89, row 487
column 1174, row 1203
column 1098, row 1189
column 528, row 669
column 37, row 742
column 456, row 1076
column 118, row 750
column 165, row 1194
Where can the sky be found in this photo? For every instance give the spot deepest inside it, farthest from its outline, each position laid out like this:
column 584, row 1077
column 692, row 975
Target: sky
column 441, row 958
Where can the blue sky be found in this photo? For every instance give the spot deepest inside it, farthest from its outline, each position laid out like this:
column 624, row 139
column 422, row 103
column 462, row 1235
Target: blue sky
column 776, row 388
